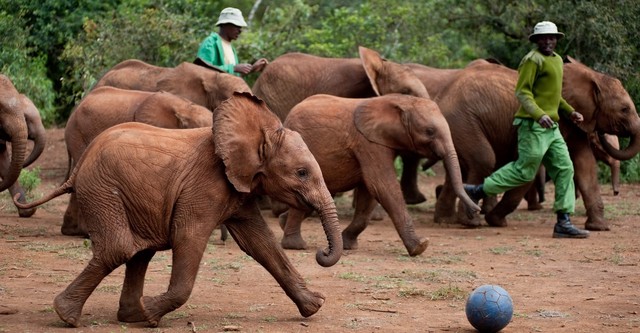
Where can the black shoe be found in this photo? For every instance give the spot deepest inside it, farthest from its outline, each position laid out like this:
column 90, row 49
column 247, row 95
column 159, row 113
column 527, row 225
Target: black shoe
column 565, row 229
column 475, row 192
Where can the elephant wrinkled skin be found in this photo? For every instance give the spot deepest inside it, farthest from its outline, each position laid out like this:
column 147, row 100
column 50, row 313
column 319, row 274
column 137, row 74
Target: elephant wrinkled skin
column 143, row 189
column 355, row 141
column 107, row 106
column 19, row 122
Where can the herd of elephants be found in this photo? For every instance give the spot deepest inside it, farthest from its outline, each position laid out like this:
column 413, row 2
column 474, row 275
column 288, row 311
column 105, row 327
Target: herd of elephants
column 309, row 128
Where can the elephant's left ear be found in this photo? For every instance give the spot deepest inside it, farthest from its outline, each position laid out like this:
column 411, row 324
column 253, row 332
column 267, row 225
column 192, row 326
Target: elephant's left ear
column 240, row 127
column 384, row 121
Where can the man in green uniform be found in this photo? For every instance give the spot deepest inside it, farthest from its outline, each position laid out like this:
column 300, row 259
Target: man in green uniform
column 539, row 90
column 216, row 51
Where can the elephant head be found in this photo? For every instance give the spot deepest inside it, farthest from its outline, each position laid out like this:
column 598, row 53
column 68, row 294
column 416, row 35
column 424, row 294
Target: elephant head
column 407, row 123
column 166, row 110
column 261, row 156
column 388, row 77
column 607, row 106
column 13, row 129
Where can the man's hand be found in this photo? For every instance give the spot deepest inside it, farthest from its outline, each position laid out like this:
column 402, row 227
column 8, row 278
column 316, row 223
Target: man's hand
column 577, row 117
column 243, row 69
column 259, row 65
column 546, row 121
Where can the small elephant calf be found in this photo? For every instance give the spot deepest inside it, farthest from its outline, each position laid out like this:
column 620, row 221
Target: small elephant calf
column 142, row 189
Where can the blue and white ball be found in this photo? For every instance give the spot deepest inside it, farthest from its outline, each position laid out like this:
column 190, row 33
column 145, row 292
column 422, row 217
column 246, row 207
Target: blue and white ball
column 489, row 308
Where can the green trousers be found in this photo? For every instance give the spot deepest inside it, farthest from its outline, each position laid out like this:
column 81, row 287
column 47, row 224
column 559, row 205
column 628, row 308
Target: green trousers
column 537, row 145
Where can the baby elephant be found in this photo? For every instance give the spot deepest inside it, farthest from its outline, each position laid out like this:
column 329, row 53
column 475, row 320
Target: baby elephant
column 142, row 189
column 356, row 141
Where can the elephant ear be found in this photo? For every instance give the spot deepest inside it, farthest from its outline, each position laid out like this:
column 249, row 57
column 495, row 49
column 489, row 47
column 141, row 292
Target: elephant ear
column 383, row 120
column 373, row 64
column 242, row 126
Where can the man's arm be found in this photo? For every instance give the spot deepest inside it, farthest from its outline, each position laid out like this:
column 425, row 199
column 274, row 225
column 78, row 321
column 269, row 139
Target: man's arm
column 524, row 89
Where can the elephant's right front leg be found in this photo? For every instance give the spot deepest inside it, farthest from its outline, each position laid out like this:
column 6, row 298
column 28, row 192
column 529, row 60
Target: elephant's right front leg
column 253, row 236
column 292, row 237
column 364, row 203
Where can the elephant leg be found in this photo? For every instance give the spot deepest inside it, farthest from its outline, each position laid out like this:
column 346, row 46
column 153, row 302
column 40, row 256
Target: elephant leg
column 69, row 303
column 378, row 213
column 409, row 179
column 445, row 204
column 187, row 254
column 292, row 237
column 364, row 206
column 278, row 208
column 71, row 225
column 586, row 180
column 509, row 203
column 130, row 309
column 253, row 236
column 15, row 189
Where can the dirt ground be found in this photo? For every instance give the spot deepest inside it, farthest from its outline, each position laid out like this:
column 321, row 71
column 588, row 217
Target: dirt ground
column 556, row 285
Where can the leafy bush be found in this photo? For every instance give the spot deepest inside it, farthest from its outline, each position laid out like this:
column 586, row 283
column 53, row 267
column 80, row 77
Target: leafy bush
column 29, row 180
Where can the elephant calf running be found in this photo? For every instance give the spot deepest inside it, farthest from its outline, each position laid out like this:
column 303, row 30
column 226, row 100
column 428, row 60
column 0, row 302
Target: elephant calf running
column 142, row 189
column 355, row 141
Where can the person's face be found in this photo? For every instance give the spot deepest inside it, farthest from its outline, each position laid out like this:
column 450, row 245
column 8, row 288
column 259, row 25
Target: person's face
column 230, row 32
column 546, row 44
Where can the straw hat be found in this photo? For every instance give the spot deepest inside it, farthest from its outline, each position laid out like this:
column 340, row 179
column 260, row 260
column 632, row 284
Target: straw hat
column 233, row 16
column 545, row 28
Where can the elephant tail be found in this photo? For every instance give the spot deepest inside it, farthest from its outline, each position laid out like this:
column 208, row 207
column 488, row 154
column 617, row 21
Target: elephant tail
column 66, row 187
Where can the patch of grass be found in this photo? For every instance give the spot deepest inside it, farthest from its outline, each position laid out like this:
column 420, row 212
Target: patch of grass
column 500, row 250
column 449, row 292
column 270, row 319
column 234, row 315
column 534, row 252
column 412, row 292
column 352, row 276
column 177, row 315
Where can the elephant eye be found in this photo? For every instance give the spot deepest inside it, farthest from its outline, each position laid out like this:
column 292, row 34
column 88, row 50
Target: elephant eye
column 302, row 173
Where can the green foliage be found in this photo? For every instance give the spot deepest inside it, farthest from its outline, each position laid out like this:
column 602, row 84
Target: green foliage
column 29, row 180
column 28, row 73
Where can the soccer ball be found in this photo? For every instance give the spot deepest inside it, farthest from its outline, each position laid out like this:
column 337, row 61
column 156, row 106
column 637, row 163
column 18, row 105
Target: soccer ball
column 489, row 308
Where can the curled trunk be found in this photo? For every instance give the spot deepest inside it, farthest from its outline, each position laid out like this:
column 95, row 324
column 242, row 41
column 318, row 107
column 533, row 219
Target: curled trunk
column 331, row 225
column 622, row 154
column 39, row 142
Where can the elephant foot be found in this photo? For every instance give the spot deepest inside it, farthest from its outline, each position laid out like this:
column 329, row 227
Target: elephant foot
column 68, row 311
column 349, row 242
column 474, row 222
column 418, row 248
column 444, row 219
column 597, row 226
column 26, row 212
column 310, row 304
column 413, row 197
column 293, row 242
column 496, row 221
column 438, row 190
column 152, row 312
column 131, row 313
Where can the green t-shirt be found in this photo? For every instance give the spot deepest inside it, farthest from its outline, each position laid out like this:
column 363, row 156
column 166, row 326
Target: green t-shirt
column 539, row 87
column 211, row 53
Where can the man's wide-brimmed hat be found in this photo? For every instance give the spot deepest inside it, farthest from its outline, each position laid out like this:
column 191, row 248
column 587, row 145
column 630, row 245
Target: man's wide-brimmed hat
column 545, row 28
column 233, row 16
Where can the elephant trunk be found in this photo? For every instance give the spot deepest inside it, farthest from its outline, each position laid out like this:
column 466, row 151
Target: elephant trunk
column 331, row 225
column 615, row 177
column 623, row 154
column 17, row 132
column 39, row 142
column 452, row 166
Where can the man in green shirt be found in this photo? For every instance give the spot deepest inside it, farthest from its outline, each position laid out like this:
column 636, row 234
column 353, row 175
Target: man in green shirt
column 539, row 90
column 216, row 51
